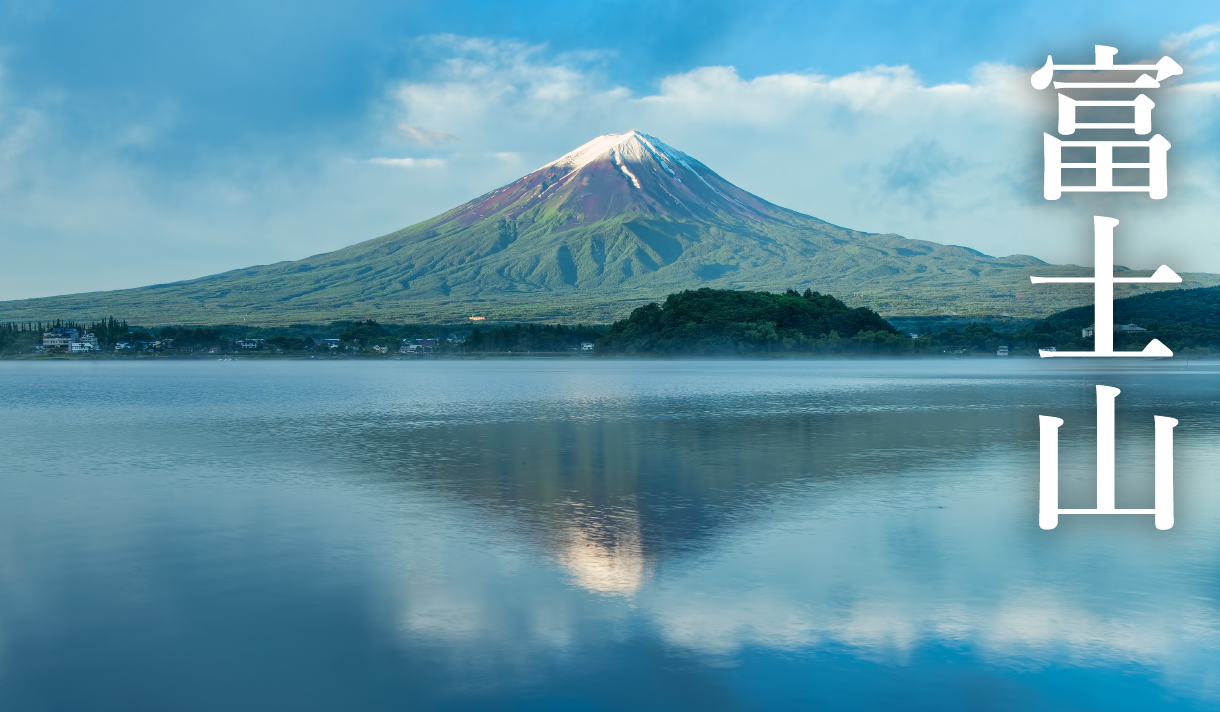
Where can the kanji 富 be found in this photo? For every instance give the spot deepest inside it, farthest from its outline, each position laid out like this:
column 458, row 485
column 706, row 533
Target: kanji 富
column 1103, row 161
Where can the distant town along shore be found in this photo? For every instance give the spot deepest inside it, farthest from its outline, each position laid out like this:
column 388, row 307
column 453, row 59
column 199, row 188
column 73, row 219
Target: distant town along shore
column 692, row 323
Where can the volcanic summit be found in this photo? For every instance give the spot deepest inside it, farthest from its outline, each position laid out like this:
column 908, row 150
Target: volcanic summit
column 616, row 174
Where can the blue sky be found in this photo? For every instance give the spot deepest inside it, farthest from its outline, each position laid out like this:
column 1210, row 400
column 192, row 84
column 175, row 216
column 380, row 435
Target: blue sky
column 143, row 142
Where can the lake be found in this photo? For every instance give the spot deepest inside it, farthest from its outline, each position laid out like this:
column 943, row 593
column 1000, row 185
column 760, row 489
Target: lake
column 599, row 535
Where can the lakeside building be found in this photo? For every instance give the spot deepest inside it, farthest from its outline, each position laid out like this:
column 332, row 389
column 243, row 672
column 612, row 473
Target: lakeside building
column 251, row 344
column 1002, row 351
column 1091, row 330
column 586, row 346
column 69, row 339
column 417, row 346
column 58, row 338
column 56, row 341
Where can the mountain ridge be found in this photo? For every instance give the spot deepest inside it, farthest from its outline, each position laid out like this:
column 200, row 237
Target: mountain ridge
column 621, row 221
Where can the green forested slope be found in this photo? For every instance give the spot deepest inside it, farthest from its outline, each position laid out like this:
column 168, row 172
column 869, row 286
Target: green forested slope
column 540, row 268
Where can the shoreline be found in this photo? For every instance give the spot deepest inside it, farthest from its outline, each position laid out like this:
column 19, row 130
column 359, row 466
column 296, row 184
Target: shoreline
column 545, row 355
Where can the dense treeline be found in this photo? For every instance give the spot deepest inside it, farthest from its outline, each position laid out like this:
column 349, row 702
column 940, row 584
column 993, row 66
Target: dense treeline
column 1185, row 320
column 22, row 338
column 16, row 338
column 729, row 322
column 532, row 338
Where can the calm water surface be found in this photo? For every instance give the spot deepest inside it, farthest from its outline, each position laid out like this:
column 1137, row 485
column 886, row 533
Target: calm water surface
column 598, row 535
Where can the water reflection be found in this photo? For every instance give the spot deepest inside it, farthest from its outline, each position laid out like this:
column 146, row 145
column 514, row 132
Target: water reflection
column 603, row 556
column 537, row 531
column 877, row 526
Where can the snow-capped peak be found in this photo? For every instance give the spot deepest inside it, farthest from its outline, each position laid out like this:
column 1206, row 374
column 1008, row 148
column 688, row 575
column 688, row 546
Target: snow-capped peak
column 631, row 146
column 617, row 174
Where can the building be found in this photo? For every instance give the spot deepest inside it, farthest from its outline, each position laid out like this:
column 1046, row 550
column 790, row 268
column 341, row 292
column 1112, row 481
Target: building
column 52, row 340
column 70, row 339
column 58, row 338
column 586, row 346
column 381, row 349
column 251, row 344
column 417, row 346
column 1002, row 351
column 1089, row 331
column 123, row 346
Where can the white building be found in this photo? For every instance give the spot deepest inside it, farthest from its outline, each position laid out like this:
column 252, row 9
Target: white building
column 56, row 341
column 70, row 339
column 1091, row 330
column 58, row 338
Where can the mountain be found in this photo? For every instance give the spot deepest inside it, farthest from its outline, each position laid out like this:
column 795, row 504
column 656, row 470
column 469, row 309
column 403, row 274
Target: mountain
column 621, row 221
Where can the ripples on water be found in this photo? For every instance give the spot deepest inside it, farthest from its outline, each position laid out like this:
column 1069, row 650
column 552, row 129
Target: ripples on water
column 597, row 535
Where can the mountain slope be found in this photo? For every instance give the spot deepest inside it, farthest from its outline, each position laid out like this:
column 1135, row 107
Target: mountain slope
column 621, row 221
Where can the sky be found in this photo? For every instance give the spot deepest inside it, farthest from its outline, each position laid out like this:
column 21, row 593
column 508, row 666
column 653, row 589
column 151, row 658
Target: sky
column 146, row 142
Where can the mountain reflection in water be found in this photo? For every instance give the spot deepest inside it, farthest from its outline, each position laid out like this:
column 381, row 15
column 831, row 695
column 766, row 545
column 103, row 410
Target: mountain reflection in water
column 599, row 535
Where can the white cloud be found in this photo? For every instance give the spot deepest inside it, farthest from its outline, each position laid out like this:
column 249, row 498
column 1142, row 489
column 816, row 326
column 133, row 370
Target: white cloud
column 409, row 162
column 1189, row 41
column 424, row 136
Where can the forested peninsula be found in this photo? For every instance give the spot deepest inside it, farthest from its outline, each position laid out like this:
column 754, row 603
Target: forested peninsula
column 715, row 322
